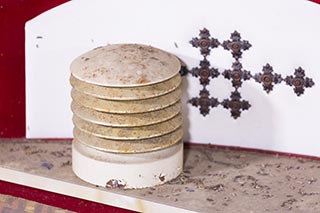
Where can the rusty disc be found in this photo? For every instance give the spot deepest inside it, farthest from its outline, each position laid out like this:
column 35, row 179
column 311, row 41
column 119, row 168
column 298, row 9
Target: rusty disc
column 126, row 93
column 125, row 65
column 125, row 120
column 137, row 106
column 131, row 146
column 128, row 133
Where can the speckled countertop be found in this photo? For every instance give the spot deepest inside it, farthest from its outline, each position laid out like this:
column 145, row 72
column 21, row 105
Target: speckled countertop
column 213, row 180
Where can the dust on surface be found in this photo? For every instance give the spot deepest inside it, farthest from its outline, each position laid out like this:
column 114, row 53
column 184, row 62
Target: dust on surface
column 213, row 180
column 216, row 180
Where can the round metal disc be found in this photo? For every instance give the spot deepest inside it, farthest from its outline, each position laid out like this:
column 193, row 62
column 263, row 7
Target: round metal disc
column 127, row 93
column 125, row 120
column 125, row 65
column 132, row 146
column 138, row 106
column 128, row 133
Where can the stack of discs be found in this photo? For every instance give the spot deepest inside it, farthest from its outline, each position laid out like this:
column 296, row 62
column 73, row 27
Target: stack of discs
column 126, row 114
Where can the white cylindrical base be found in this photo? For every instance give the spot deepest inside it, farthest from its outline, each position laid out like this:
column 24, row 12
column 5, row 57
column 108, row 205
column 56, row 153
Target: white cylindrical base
column 127, row 170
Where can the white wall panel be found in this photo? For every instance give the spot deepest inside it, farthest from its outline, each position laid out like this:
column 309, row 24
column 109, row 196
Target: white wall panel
column 284, row 33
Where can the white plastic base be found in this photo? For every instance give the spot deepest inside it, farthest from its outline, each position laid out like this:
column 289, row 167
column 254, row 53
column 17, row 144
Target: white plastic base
column 126, row 170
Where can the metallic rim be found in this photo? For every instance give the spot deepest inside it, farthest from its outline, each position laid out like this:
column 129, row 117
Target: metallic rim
column 140, row 106
column 128, row 133
column 126, row 93
column 125, row 120
column 129, row 147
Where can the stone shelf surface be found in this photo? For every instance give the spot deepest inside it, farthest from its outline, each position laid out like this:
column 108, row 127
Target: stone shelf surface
column 214, row 180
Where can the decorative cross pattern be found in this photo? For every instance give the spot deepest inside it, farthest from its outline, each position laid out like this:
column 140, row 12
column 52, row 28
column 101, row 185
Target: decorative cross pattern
column 206, row 43
column 204, row 101
column 235, row 45
column 205, row 72
column 299, row 82
column 236, row 105
column 236, row 74
column 268, row 78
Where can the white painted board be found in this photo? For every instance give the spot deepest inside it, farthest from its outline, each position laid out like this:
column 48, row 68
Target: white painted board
column 284, row 33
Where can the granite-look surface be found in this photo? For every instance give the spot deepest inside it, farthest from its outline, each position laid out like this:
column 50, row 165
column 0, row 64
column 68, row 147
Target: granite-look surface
column 213, row 180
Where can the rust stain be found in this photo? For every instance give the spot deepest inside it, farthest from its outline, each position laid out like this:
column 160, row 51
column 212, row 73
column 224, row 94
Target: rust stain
column 162, row 177
column 113, row 183
column 142, row 80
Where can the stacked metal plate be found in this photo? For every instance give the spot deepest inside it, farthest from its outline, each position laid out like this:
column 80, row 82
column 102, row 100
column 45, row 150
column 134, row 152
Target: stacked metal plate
column 126, row 114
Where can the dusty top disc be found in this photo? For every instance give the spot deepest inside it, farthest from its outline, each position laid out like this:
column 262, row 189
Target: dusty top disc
column 125, row 65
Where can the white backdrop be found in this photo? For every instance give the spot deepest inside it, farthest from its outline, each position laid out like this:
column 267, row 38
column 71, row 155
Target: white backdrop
column 284, row 33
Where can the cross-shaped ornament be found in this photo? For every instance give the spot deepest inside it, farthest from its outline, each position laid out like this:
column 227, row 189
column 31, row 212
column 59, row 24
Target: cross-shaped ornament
column 268, row 78
column 236, row 45
column 299, row 81
column 205, row 42
column 204, row 101
column 235, row 104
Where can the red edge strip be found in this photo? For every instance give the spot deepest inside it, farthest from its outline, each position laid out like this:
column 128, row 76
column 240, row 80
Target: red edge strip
column 58, row 200
column 13, row 16
column 316, row 1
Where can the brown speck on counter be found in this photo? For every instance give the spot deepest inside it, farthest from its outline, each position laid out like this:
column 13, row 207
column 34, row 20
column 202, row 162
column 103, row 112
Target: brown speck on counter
column 67, row 163
column 57, row 154
column 162, row 177
column 218, row 187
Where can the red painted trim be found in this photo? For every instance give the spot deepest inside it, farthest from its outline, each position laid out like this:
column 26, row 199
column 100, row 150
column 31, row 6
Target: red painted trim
column 58, row 200
column 13, row 15
column 238, row 148
column 316, row 1
column 49, row 139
